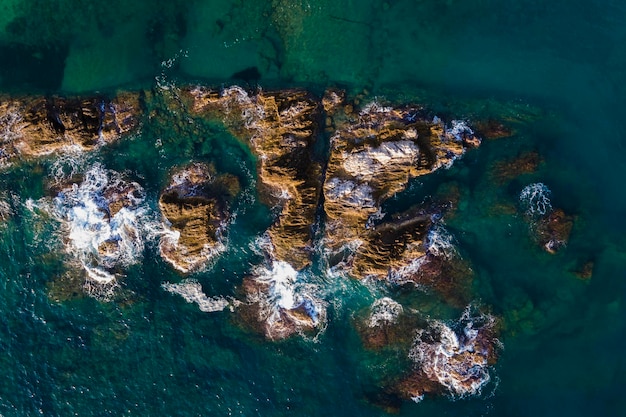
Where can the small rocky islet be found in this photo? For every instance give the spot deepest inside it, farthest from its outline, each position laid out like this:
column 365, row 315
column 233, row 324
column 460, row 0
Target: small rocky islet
column 324, row 202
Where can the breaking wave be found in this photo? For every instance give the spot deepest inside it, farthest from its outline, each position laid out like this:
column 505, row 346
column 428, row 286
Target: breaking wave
column 456, row 356
column 384, row 311
column 104, row 222
column 535, row 200
column 191, row 291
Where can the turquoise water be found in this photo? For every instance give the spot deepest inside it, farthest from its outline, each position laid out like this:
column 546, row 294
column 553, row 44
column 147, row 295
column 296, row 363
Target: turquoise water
column 556, row 66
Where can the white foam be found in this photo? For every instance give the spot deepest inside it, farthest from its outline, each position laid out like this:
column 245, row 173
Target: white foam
column 99, row 240
column 458, row 130
column 535, row 199
column 191, row 291
column 5, row 208
column 454, row 360
column 68, row 163
column 384, row 311
column 10, row 126
column 287, row 289
column 439, row 242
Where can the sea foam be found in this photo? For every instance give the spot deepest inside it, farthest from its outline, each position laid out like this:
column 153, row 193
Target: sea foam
column 535, row 200
column 191, row 291
column 103, row 220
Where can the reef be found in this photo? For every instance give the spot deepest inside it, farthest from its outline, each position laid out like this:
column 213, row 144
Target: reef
column 553, row 230
column 37, row 126
column 526, row 163
column 549, row 227
column 195, row 208
column 387, row 323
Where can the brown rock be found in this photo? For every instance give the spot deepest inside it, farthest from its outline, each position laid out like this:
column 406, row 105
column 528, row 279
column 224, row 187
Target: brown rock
column 196, row 206
column 371, row 159
column 36, row 126
column 553, row 230
column 280, row 129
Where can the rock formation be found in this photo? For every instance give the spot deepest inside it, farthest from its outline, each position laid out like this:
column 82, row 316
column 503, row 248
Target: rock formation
column 373, row 156
column 280, row 128
column 195, row 207
column 36, row 126
column 451, row 360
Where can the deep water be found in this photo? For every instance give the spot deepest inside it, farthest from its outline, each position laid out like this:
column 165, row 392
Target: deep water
column 555, row 68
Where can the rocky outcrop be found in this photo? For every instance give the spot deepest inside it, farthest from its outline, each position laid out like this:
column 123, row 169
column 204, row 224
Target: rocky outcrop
column 280, row 128
column 374, row 154
column 195, row 207
column 451, row 360
column 102, row 219
column 36, row 126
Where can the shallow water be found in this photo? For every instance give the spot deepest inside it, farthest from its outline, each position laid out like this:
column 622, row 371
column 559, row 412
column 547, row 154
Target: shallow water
column 557, row 66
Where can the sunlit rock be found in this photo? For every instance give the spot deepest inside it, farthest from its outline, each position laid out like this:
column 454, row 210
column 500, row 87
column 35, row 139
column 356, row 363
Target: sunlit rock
column 195, row 207
column 373, row 156
column 36, row 126
column 280, row 129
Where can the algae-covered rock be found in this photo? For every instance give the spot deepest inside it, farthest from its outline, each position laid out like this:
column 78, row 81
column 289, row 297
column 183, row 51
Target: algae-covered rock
column 549, row 227
column 36, row 126
column 553, row 230
column 195, row 206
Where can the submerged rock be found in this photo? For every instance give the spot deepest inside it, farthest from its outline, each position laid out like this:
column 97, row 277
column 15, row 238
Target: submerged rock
column 387, row 324
column 36, row 126
column 526, row 163
column 280, row 128
column 549, row 227
column 553, row 230
column 195, row 207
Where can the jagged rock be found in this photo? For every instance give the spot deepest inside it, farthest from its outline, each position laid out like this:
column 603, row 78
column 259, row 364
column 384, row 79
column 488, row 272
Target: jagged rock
column 453, row 360
column 36, row 126
column 195, row 207
column 372, row 158
column 273, row 306
column 280, row 129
